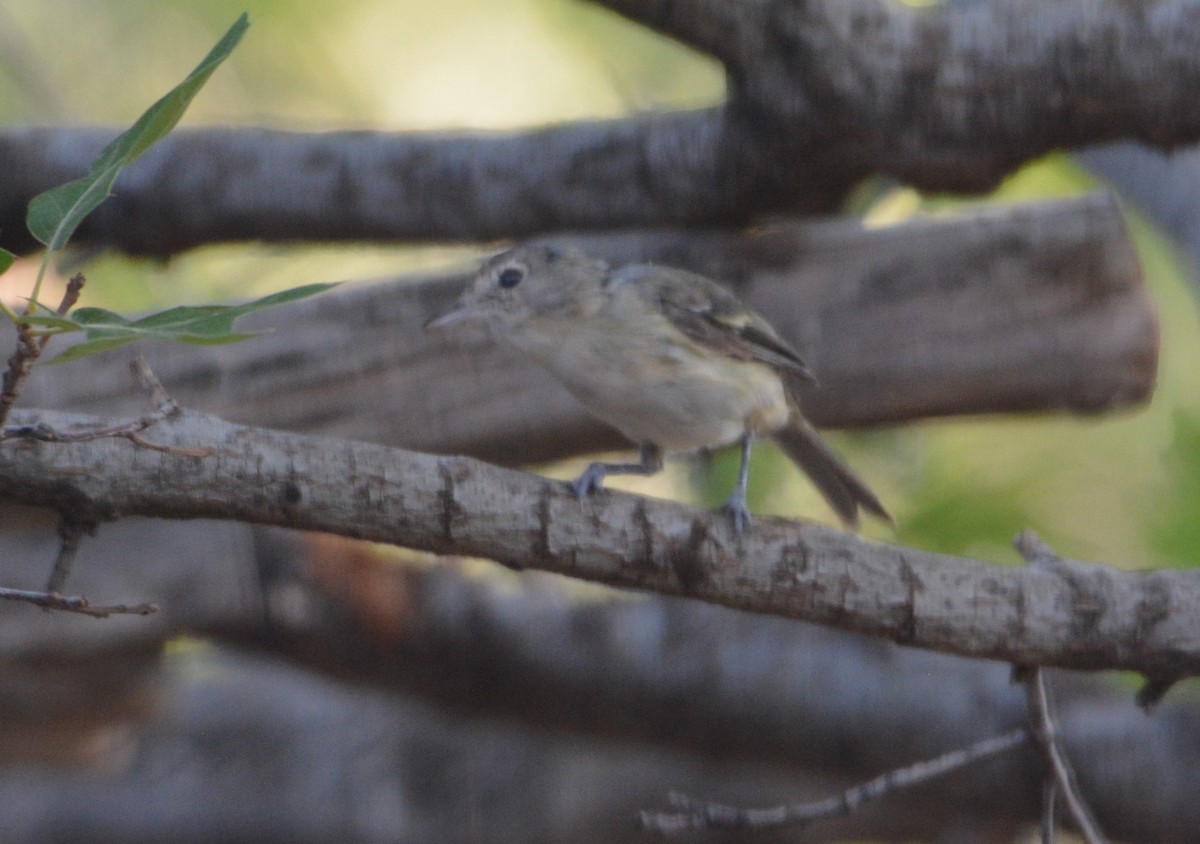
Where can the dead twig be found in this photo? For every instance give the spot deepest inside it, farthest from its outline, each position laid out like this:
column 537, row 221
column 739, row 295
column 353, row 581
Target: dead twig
column 1049, row 799
column 70, row 532
column 163, row 408
column 1061, row 776
column 694, row 814
column 73, row 526
column 29, row 348
column 74, row 603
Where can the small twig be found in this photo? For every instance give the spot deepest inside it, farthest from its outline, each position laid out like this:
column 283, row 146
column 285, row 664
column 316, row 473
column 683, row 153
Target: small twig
column 1049, row 798
column 1042, row 717
column 177, row 450
column 1035, row 551
column 164, row 407
column 149, row 382
column 70, row 531
column 693, row 814
column 70, row 297
column 74, row 603
column 19, row 367
column 29, row 348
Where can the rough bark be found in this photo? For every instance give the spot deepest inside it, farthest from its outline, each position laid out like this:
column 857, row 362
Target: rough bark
column 1068, row 614
column 821, row 94
column 644, row 696
column 1038, row 307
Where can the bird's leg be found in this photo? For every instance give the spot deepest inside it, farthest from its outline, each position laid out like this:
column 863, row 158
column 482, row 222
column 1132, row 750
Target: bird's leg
column 592, row 478
column 736, row 503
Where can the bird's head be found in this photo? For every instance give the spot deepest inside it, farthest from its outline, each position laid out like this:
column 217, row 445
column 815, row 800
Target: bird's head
column 525, row 283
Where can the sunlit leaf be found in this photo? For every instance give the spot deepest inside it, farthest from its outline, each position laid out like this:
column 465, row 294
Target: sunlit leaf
column 54, row 215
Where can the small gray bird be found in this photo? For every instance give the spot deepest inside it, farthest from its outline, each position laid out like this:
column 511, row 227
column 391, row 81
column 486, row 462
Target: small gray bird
column 669, row 358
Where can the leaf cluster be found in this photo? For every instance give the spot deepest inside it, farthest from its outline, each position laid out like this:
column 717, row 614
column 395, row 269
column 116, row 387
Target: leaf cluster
column 53, row 216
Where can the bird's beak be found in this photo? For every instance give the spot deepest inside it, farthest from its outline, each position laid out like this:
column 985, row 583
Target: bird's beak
column 459, row 313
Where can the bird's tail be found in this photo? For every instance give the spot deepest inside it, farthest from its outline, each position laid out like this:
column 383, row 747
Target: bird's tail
column 844, row 490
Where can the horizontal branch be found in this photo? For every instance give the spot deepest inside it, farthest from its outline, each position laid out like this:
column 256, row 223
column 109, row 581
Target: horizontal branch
column 200, row 186
column 665, row 678
column 950, row 96
column 821, row 95
column 534, row 651
column 1037, row 307
column 1070, row 614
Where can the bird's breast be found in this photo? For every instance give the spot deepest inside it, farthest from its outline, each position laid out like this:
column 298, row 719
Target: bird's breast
column 656, row 386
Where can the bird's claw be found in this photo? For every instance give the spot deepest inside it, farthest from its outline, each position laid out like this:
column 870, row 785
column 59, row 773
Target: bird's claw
column 590, row 481
column 740, row 513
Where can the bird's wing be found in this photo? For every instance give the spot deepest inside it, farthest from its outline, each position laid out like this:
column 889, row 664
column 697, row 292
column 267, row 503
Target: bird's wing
column 711, row 316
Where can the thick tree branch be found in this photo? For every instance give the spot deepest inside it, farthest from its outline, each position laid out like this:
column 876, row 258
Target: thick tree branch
column 950, row 97
column 693, row 681
column 1076, row 615
column 822, row 94
column 208, row 185
column 1028, row 308
column 676, row 674
column 728, row 31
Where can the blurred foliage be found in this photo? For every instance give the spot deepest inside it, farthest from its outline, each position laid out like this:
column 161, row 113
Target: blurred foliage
column 1121, row 488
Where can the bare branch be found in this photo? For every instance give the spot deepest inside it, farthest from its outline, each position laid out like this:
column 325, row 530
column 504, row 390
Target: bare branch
column 1038, row 553
column 672, row 674
column 729, row 31
column 1047, row 825
column 1040, row 713
column 19, row 367
column 210, row 185
column 1096, row 617
column 70, row 532
column 164, row 407
column 949, row 97
column 822, row 94
column 697, row 814
column 29, row 348
column 1034, row 307
column 74, row 604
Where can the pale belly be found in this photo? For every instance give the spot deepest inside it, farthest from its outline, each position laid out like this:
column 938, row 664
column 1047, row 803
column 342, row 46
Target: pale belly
column 671, row 396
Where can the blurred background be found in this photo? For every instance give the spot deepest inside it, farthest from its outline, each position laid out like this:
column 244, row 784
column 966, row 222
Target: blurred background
column 1122, row 488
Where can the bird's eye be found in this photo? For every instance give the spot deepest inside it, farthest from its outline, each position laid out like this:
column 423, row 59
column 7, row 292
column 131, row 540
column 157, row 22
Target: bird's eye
column 509, row 277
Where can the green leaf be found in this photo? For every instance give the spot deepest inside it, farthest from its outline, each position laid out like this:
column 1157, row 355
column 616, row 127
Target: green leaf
column 98, row 317
column 201, row 325
column 62, row 324
column 6, row 260
column 91, row 347
column 54, row 215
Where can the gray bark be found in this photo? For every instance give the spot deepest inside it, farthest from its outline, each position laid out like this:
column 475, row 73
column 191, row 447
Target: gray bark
column 821, row 94
column 1038, row 307
column 1067, row 614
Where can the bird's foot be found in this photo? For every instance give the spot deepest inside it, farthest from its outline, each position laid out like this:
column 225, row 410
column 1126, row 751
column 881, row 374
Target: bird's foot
column 739, row 512
column 590, row 481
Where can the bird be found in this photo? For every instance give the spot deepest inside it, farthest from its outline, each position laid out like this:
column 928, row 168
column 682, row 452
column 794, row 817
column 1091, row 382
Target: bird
column 669, row 358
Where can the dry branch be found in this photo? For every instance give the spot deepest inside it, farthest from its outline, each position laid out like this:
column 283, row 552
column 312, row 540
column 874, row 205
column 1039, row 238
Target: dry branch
column 950, row 97
column 1038, row 307
column 693, row 681
column 1076, row 615
column 688, row 813
column 821, row 95
column 1061, row 771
